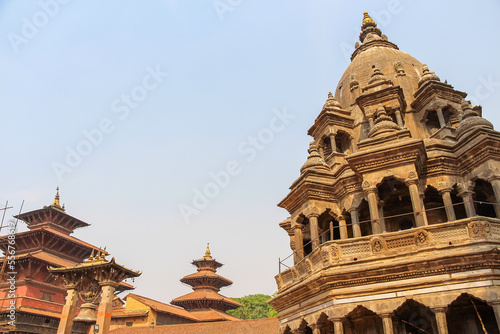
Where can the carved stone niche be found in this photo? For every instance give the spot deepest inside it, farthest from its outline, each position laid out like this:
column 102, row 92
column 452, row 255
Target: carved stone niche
column 378, row 245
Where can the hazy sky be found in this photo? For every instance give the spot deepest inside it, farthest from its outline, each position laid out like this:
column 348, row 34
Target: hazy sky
column 170, row 124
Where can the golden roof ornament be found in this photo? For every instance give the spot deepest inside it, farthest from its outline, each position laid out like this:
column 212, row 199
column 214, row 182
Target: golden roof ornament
column 56, row 204
column 369, row 27
column 207, row 256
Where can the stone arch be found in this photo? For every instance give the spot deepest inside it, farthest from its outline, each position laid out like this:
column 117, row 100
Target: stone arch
column 468, row 314
column 364, row 218
column 286, row 330
column 434, row 205
column 416, row 318
column 483, row 197
column 363, row 320
column 343, row 142
column 304, row 327
column 397, row 207
column 326, row 221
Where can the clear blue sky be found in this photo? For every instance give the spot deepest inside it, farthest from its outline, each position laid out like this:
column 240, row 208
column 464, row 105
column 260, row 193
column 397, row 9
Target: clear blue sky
column 171, row 93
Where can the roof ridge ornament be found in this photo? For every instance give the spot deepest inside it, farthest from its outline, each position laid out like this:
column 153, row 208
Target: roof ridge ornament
column 314, row 161
column 427, row 75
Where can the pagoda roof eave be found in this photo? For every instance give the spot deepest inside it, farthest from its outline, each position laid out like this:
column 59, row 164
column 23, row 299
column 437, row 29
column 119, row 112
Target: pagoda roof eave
column 77, row 222
column 96, row 265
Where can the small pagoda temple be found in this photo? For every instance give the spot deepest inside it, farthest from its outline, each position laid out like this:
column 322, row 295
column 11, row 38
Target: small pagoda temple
column 39, row 295
column 205, row 302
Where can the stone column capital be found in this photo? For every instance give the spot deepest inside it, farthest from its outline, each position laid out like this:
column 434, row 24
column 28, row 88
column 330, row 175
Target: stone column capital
column 112, row 284
column 411, row 181
column 439, row 309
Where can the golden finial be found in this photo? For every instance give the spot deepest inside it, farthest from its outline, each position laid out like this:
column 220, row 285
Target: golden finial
column 367, row 21
column 207, row 256
column 56, row 199
column 91, row 257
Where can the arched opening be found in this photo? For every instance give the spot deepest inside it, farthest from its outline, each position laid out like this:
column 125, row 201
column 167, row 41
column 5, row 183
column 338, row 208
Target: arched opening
column 364, row 218
column 483, row 196
column 304, row 327
column 434, row 206
column 325, row 325
column 348, row 222
column 450, row 117
column 325, row 224
column 405, row 224
column 342, row 142
column 468, row 314
column 287, row 330
column 362, row 320
column 396, row 204
column 415, row 318
column 458, row 204
column 306, row 234
column 432, row 123
column 327, row 147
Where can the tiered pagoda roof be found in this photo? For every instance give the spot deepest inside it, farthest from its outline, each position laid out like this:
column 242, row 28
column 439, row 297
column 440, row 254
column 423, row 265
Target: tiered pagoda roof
column 205, row 301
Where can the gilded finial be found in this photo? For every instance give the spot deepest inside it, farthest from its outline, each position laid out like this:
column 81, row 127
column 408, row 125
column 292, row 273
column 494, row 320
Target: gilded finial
column 56, row 199
column 207, row 256
column 91, row 257
column 368, row 26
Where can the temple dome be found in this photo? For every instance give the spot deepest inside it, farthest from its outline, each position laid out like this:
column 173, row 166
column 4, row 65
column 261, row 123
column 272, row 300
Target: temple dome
column 377, row 52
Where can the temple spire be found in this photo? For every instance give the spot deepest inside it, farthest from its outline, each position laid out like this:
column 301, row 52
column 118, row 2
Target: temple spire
column 208, row 256
column 369, row 27
column 56, row 204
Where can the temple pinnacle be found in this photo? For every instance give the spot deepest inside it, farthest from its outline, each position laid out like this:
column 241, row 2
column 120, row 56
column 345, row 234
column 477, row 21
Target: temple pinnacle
column 208, row 256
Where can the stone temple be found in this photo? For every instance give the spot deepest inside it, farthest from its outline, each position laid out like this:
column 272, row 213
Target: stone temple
column 394, row 221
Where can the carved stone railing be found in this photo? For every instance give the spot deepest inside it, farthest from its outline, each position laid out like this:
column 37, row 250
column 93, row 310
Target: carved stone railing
column 340, row 252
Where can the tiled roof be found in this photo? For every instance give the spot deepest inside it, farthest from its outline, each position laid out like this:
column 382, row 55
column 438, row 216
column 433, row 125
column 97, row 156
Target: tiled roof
column 162, row 307
column 257, row 326
column 47, row 257
column 205, row 295
column 213, row 315
column 207, row 273
column 122, row 313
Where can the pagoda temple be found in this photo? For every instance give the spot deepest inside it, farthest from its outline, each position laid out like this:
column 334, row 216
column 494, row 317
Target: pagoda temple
column 205, row 302
column 395, row 218
column 39, row 294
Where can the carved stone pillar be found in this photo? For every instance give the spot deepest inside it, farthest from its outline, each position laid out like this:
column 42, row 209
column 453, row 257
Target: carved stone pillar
column 495, row 184
column 442, row 122
column 448, row 204
column 387, row 323
column 313, row 225
column 338, row 326
column 316, row 329
column 399, row 119
column 333, row 143
column 371, row 121
column 371, row 193
column 416, row 203
column 496, row 309
column 356, row 229
column 105, row 306
column 68, row 311
column 442, row 325
column 381, row 216
column 343, row 228
column 298, row 253
column 466, row 195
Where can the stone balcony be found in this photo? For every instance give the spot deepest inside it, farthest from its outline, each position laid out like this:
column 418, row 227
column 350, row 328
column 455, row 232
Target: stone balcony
column 415, row 243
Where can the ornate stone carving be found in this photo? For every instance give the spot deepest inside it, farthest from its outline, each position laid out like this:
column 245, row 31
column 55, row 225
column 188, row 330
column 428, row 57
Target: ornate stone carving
column 479, row 229
column 400, row 71
column 366, row 184
column 336, row 251
column 377, row 244
column 421, row 237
